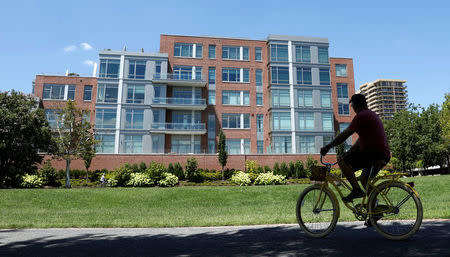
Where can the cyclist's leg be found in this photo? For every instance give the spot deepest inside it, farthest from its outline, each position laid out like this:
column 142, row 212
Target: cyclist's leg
column 348, row 172
column 350, row 162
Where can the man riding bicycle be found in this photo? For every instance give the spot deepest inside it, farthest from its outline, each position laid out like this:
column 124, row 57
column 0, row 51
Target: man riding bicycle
column 371, row 147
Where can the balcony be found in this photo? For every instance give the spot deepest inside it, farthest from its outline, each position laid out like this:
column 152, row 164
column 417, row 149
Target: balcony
column 179, row 128
column 197, row 104
column 187, row 79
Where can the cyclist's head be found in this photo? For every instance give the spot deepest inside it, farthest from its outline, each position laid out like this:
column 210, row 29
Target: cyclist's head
column 358, row 101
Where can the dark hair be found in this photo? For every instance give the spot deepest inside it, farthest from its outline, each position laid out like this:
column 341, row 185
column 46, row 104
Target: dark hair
column 358, row 100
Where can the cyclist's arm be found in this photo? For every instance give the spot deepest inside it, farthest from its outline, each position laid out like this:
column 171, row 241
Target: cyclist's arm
column 341, row 138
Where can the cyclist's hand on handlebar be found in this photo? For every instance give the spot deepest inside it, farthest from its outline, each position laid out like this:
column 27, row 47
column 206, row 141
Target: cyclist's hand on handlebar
column 324, row 150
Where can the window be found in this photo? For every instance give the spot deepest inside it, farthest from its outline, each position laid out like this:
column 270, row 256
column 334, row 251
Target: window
column 342, row 90
column 212, row 52
column 278, row 53
column 325, row 98
column 323, row 55
column 198, row 51
column 327, row 121
column 304, row 98
column 135, row 94
column 71, row 92
column 324, row 76
column 306, row 121
column 107, row 93
column 343, row 126
column 327, row 140
column 157, row 69
column 234, row 75
column 181, row 144
column 87, row 95
column 245, row 53
column 52, row 117
column 304, row 76
column 53, row 92
column 156, row 115
column 280, row 75
column 343, row 109
column 187, row 50
column 258, row 77
column 105, row 118
column 259, row 99
column 233, row 120
column 231, row 97
column 198, row 72
column 302, row 54
column 246, row 75
column 231, row 53
column 246, row 146
column 182, row 72
column 246, row 95
column 211, row 126
column 282, row 144
column 259, row 122
column 341, row 70
column 260, row 146
column 136, row 70
column 307, row 144
column 233, row 146
column 258, row 53
column 211, row 146
column 133, row 144
column 106, row 144
column 212, row 75
column 280, row 98
column 134, row 119
column 281, row 121
column 211, row 97
column 109, row 68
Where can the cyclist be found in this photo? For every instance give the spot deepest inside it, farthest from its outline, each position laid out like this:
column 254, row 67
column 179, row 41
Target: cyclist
column 371, row 147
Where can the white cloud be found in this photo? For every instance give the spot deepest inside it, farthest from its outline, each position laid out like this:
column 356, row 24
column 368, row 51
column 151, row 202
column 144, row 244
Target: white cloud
column 89, row 63
column 86, row 46
column 70, row 48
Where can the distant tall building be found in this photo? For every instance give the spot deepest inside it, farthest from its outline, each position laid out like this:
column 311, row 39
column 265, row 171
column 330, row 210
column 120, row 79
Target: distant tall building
column 385, row 96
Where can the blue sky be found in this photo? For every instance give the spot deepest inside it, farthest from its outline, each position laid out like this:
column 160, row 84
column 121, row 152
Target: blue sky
column 387, row 39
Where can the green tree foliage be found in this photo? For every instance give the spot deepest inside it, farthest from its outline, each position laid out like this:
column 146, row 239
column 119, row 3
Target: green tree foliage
column 444, row 120
column 192, row 172
column 223, row 155
column 24, row 131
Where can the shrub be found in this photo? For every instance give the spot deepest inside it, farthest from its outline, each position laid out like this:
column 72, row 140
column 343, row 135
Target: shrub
column 155, row 170
column 299, row 169
column 260, row 170
column 291, row 173
column 310, row 162
column 76, row 174
column 135, row 168
column 241, row 178
column 142, row 167
column 49, row 175
column 336, row 172
column 170, row 168
column 270, row 179
column 122, row 175
column 97, row 174
column 32, row 181
column 284, row 170
column 112, row 182
column 139, row 180
column 276, row 168
column 211, row 176
column 178, row 171
column 191, row 170
column 253, row 176
column 267, row 169
column 228, row 173
column 251, row 166
column 169, row 180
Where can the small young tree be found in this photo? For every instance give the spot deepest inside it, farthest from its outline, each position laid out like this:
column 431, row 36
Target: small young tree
column 87, row 154
column 223, row 156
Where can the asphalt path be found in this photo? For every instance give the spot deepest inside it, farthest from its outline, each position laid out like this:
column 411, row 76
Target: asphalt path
column 348, row 239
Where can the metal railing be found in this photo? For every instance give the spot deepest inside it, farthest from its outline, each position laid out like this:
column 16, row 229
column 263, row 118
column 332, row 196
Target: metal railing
column 179, row 76
column 179, row 126
column 179, row 101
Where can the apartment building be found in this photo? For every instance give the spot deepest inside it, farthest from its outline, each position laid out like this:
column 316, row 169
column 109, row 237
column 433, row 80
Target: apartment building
column 385, row 96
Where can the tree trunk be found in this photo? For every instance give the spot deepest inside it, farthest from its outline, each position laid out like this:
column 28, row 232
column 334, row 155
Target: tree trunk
column 68, row 173
column 223, row 178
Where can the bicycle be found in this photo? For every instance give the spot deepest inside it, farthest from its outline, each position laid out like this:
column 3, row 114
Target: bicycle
column 392, row 207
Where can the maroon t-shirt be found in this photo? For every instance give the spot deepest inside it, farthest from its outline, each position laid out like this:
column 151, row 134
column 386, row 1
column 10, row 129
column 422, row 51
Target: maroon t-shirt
column 371, row 131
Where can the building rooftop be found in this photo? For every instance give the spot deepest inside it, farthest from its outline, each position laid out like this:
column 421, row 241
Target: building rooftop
column 208, row 36
column 299, row 38
column 110, row 52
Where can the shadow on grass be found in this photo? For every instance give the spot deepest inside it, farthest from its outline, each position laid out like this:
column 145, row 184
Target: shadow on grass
column 347, row 240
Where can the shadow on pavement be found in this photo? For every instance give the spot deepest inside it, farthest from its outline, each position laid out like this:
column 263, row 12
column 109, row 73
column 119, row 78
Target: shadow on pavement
column 347, row 240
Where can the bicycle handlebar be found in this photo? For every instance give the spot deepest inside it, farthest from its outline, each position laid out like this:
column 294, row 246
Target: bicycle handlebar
column 326, row 163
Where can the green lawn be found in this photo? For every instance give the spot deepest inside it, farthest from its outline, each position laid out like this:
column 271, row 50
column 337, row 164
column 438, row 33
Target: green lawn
column 180, row 206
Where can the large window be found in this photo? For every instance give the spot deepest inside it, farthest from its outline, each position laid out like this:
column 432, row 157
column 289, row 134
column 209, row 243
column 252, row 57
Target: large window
column 302, row 54
column 304, row 98
column 282, row 144
column 183, row 144
column 307, row 144
column 234, row 75
column 259, row 122
column 278, row 53
column 136, row 70
column 234, row 53
column 341, row 70
column 106, row 144
column 280, row 75
column 343, row 109
column 187, row 50
column 157, row 69
column 323, row 55
column 71, row 92
column 105, row 118
column 135, row 94
column 87, row 95
column 233, row 146
column 325, row 98
column 53, row 92
column 258, row 77
column 107, row 93
column 260, row 146
column 281, row 121
column 304, row 76
column 212, row 52
column 280, row 98
column 258, row 53
column 109, row 68
column 259, row 99
column 211, row 97
column 133, row 144
column 52, row 117
column 230, row 97
column 245, row 53
column 134, row 119
column 233, row 121
column 306, row 121
column 343, row 126
column 324, row 75
column 342, row 90
column 327, row 121
column 212, row 75
column 182, row 72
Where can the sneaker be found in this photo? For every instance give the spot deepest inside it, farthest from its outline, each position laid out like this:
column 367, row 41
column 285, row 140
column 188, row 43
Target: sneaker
column 355, row 193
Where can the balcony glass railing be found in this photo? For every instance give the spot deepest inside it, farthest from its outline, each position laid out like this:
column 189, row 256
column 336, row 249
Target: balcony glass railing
column 179, row 126
column 179, row 101
column 179, row 76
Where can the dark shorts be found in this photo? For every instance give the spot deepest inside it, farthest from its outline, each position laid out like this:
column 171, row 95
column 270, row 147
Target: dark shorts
column 363, row 158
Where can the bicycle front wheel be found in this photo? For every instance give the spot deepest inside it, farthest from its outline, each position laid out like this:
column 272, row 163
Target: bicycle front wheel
column 317, row 211
column 396, row 211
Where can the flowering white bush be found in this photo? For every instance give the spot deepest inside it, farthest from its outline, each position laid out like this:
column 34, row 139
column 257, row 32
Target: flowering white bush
column 241, row 178
column 139, row 180
column 112, row 182
column 270, row 179
column 31, row 181
column 169, row 180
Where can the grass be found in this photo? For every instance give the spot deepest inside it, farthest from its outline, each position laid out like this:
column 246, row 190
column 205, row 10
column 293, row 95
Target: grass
column 179, row 206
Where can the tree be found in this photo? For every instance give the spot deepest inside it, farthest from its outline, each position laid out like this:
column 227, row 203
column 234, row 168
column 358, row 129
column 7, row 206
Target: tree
column 223, row 156
column 87, row 154
column 444, row 120
column 24, row 131
column 73, row 135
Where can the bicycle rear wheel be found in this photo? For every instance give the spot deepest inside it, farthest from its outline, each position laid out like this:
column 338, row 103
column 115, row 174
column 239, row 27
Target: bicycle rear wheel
column 399, row 219
column 317, row 211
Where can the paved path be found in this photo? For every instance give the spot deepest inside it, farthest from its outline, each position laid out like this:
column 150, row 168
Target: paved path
column 348, row 239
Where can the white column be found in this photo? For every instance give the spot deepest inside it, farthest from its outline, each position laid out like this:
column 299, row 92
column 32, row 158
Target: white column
column 242, row 146
column 291, row 95
column 241, row 53
column 192, row 143
column 119, row 103
column 193, row 72
column 66, row 91
column 241, row 73
column 194, row 51
column 242, row 120
column 242, row 97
